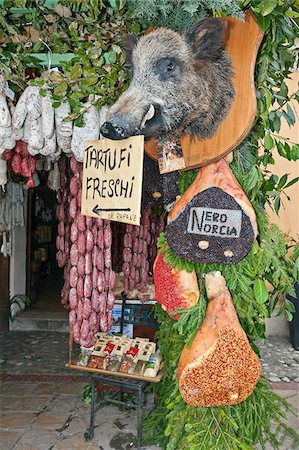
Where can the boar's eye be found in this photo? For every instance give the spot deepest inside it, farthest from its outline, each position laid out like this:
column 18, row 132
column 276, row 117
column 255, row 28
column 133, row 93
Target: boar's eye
column 167, row 68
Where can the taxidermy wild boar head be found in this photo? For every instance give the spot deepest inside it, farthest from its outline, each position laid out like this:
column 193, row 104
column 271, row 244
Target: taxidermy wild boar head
column 181, row 83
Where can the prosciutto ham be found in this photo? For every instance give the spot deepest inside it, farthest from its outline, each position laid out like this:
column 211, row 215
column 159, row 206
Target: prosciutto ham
column 213, row 221
column 220, row 367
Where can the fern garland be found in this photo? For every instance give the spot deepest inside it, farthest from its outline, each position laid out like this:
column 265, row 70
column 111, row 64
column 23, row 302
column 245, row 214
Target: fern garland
column 174, row 425
column 179, row 14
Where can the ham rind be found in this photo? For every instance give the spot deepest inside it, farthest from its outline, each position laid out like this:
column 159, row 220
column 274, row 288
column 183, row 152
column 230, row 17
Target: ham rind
column 220, row 367
column 195, row 231
column 174, row 288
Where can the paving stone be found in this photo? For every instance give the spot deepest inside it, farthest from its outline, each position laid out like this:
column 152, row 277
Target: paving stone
column 48, row 352
column 34, row 438
column 17, row 389
column 26, row 447
column 273, row 379
column 294, row 401
column 8, row 439
column 33, row 403
column 44, row 389
column 51, row 420
column 73, row 425
column 69, row 388
column 13, row 421
column 62, row 403
column 286, row 393
column 285, row 379
column 76, row 443
column 57, row 401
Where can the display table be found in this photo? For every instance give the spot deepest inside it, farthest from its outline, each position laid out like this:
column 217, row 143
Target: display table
column 137, row 315
column 122, row 381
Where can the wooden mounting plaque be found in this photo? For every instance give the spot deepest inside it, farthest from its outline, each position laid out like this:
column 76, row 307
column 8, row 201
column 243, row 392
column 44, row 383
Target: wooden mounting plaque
column 242, row 41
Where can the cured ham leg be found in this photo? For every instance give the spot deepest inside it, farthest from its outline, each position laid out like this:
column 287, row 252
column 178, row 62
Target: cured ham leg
column 213, row 221
column 174, row 288
column 220, row 367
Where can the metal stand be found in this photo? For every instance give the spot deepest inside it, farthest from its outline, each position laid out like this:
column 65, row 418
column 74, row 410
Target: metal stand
column 122, row 383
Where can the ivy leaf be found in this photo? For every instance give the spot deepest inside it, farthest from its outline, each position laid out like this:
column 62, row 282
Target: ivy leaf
column 260, row 291
column 268, row 142
column 283, row 180
column 90, row 80
column 61, row 89
column 290, row 306
column 267, row 7
column 291, row 115
column 289, row 315
column 252, row 179
column 56, row 104
column 76, row 71
column 277, row 203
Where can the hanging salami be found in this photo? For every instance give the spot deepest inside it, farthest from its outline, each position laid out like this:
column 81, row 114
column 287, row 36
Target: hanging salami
column 84, row 250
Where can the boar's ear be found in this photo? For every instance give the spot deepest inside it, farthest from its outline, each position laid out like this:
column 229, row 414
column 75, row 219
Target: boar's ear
column 130, row 42
column 206, row 38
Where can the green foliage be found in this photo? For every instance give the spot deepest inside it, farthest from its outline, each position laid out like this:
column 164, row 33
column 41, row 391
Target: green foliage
column 179, row 14
column 86, row 393
column 93, row 31
column 220, row 428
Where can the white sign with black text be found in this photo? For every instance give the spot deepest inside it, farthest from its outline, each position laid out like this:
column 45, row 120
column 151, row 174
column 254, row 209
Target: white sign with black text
column 215, row 222
column 112, row 179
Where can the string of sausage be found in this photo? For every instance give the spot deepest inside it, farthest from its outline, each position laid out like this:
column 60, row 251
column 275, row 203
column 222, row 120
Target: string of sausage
column 89, row 278
column 140, row 250
column 21, row 162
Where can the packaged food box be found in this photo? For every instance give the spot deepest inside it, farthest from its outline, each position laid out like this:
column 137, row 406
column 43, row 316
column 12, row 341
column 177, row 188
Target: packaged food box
column 115, row 359
column 84, row 356
column 127, row 360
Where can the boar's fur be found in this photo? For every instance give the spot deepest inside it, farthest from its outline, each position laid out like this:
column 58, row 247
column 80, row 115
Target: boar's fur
column 181, row 83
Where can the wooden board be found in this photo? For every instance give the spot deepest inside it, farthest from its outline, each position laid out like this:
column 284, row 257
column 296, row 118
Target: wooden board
column 116, row 374
column 242, row 42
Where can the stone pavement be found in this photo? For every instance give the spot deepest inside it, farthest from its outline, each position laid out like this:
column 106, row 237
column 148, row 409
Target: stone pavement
column 41, row 406
column 51, row 415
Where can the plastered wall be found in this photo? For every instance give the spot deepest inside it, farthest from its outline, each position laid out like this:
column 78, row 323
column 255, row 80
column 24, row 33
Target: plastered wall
column 288, row 219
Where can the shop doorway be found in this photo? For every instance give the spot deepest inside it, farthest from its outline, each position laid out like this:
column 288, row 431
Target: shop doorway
column 44, row 279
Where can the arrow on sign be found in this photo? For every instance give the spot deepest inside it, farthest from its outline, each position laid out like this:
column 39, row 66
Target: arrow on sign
column 97, row 210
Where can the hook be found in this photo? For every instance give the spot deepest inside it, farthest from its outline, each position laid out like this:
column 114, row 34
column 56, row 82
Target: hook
column 49, row 54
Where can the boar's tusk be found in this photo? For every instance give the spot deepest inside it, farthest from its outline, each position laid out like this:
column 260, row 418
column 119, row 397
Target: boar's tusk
column 148, row 116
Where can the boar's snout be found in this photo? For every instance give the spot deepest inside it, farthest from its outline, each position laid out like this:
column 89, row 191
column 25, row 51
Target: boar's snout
column 145, row 120
column 115, row 128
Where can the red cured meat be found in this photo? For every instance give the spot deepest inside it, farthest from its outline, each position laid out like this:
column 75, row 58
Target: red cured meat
column 174, row 288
